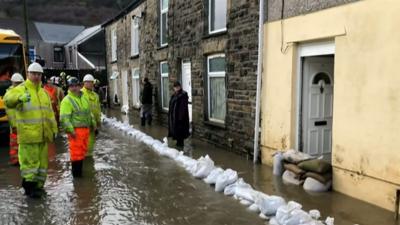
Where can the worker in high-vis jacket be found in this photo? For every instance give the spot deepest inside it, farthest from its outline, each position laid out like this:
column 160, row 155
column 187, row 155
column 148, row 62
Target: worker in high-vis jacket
column 77, row 121
column 95, row 108
column 16, row 79
column 36, row 127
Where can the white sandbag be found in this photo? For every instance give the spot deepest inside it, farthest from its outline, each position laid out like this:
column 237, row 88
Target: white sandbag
column 264, row 217
column 231, row 189
column 270, row 204
column 245, row 202
column 214, row 174
column 272, row 221
column 165, row 141
column 283, row 212
column 289, row 177
column 278, row 165
column 229, row 176
column 313, row 185
column 294, row 156
column 246, row 192
column 204, row 168
column 298, row 216
column 315, row 214
column 329, row 221
column 254, row 208
column 171, row 152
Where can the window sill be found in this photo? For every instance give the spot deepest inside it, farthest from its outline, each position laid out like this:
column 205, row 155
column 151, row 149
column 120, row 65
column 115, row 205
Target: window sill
column 215, row 124
column 134, row 56
column 162, row 47
column 217, row 34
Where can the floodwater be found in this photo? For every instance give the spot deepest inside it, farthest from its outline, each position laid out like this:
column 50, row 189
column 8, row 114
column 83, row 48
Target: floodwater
column 124, row 183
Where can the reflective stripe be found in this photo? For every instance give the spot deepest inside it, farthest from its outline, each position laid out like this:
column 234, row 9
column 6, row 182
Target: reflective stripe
column 42, row 170
column 73, row 103
column 40, row 178
column 34, row 121
column 29, row 171
column 36, row 108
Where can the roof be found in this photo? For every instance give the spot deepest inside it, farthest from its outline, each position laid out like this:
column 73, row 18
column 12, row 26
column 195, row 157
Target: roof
column 18, row 26
column 85, row 35
column 58, row 33
column 123, row 12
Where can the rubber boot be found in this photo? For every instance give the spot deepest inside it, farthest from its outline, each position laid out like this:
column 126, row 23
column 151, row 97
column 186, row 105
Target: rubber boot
column 26, row 189
column 179, row 143
column 143, row 121
column 77, row 168
column 31, row 190
column 149, row 119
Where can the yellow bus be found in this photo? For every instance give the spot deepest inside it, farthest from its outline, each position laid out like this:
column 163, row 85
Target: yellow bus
column 12, row 60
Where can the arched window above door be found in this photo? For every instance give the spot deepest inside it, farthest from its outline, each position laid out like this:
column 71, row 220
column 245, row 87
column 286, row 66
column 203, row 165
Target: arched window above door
column 321, row 76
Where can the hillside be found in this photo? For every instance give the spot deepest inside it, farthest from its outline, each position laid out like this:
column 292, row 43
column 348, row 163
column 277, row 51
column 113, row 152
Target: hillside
column 80, row 12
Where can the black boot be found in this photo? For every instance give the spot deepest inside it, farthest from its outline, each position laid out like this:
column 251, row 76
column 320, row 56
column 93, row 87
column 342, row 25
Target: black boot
column 149, row 119
column 143, row 120
column 27, row 190
column 77, row 168
column 31, row 189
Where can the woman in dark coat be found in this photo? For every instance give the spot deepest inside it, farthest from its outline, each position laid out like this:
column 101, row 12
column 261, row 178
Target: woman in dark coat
column 178, row 115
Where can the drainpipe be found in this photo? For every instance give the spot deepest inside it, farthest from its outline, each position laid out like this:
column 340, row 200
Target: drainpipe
column 259, row 73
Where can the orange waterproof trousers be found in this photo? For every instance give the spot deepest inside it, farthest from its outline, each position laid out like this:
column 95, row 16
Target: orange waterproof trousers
column 78, row 145
column 13, row 148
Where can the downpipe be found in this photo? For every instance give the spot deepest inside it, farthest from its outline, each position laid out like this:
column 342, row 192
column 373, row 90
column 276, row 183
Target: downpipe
column 259, row 74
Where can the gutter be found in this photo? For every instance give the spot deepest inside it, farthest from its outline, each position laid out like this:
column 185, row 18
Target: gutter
column 259, row 74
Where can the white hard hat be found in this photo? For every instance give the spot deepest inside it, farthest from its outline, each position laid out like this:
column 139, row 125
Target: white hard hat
column 88, row 77
column 17, row 77
column 35, row 67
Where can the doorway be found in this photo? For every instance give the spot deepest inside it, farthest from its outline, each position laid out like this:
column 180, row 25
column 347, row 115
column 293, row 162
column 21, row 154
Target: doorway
column 317, row 105
column 187, row 83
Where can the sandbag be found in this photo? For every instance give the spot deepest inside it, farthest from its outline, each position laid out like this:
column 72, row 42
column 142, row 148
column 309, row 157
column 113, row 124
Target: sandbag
column 294, row 156
column 277, row 164
column 283, row 212
column 229, row 176
column 269, row 204
column 231, row 189
column 246, row 192
column 323, row 178
column 214, row 174
column 313, row 185
column 289, row 177
column 254, row 208
column 203, row 167
column 295, row 169
column 316, row 165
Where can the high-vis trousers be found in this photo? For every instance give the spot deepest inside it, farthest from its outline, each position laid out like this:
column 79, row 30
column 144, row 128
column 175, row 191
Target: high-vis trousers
column 13, row 148
column 33, row 161
column 78, row 146
column 92, row 139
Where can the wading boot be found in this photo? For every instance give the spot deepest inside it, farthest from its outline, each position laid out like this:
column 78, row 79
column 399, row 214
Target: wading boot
column 77, row 168
column 149, row 119
column 143, row 121
column 31, row 190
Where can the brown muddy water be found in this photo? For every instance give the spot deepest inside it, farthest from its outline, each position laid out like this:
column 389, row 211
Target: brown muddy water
column 124, row 183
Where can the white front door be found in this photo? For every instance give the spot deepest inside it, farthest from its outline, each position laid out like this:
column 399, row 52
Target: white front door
column 187, row 83
column 125, row 94
column 317, row 106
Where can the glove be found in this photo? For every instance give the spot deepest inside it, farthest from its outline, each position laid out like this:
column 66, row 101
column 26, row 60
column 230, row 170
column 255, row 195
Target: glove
column 26, row 97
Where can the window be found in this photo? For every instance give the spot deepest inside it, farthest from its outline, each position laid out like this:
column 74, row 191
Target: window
column 32, row 54
column 163, row 22
column 135, row 36
column 113, row 45
column 58, row 54
column 136, row 87
column 164, row 85
column 216, row 88
column 216, row 16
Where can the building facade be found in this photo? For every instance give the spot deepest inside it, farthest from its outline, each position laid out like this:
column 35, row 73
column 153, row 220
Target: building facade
column 209, row 46
column 330, row 75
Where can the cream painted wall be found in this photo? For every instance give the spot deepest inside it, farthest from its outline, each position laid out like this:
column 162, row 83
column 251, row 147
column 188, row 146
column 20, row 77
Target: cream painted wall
column 366, row 116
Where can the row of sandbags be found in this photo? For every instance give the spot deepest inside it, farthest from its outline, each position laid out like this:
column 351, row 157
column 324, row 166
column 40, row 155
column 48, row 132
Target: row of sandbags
column 315, row 175
column 271, row 207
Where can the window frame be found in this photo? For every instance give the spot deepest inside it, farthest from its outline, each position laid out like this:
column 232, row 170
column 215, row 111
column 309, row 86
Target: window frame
column 211, row 75
column 60, row 56
column 162, row 76
column 114, row 45
column 209, row 19
column 135, row 46
column 136, row 78
column 163, row 11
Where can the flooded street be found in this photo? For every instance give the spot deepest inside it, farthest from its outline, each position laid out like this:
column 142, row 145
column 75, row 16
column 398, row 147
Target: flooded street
column 124, row 183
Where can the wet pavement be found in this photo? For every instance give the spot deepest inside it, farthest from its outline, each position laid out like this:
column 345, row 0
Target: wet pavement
column 127, row 183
